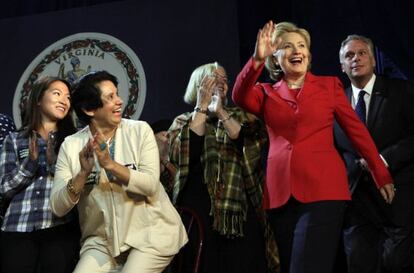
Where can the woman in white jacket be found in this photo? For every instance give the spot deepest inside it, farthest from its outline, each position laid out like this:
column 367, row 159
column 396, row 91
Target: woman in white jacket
column 110, row 170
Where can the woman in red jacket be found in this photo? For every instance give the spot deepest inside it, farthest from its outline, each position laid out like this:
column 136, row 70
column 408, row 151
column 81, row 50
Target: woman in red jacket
column 306, row 183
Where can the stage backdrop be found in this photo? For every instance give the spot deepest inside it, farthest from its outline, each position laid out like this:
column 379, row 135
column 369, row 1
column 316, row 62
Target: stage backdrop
column 169, row 38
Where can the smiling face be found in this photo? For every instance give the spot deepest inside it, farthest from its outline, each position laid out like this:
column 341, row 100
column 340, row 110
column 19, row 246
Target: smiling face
column 55, row 102
column 357, row 61
column 293, row 55
column 221, row 83
column 110, row 114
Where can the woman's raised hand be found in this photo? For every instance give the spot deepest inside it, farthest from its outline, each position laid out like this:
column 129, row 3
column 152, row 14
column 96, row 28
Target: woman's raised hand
column 265, row 47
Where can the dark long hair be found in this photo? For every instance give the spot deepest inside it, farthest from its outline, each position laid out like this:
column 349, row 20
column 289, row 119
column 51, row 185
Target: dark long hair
column 32, row 118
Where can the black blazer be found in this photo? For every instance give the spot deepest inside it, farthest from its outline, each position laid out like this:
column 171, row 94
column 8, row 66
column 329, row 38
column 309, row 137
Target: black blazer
column 391, row 124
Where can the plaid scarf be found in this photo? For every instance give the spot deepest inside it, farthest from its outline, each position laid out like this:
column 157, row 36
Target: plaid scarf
column 231, row 175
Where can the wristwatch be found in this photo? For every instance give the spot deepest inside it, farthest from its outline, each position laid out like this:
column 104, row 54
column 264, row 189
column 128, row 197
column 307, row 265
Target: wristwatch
column 201, row 110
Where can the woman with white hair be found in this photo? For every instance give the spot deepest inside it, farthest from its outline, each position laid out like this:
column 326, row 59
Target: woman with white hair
column 216, row 150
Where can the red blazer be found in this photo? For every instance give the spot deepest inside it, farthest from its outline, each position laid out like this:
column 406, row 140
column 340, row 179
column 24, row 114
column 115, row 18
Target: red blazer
column 302, row 159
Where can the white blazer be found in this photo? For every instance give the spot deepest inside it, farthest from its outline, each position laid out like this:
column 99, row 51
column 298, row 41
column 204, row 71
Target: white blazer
column 115, row 218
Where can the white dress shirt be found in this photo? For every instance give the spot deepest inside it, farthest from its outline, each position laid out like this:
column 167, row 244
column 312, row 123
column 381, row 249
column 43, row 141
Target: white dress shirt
column 367, row 98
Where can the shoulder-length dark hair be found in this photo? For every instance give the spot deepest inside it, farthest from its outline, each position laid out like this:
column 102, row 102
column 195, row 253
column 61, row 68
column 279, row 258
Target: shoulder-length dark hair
column 87, row 94
column 32, row 118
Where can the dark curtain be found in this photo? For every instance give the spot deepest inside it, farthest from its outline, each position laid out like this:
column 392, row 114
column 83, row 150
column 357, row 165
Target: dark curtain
column 387, row 23
column 18, row 8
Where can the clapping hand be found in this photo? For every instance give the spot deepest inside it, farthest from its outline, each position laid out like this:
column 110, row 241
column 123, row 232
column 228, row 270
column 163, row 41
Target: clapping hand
column 50, row 149
column 101, row 146
column 86, row 158
column 205, row 91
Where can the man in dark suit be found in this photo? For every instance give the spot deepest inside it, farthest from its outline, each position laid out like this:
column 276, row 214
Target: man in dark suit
column 378, row 237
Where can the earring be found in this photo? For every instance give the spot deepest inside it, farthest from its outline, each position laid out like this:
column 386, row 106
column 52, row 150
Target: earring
column 278, row 70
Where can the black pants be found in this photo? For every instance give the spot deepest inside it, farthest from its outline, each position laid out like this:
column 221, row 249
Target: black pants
column 52, row 250
column 307, row 235
column 226, row 255
column 375, row 240
column 374, row 248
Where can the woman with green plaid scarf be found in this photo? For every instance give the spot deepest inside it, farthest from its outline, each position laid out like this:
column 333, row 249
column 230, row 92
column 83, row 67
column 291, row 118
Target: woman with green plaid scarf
column 217, row 153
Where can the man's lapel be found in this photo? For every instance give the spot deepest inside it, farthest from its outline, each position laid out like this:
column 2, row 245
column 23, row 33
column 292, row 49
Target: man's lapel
column 377, row 98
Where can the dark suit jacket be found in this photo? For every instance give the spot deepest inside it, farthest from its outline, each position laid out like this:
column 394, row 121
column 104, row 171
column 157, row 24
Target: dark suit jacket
column 391, row 125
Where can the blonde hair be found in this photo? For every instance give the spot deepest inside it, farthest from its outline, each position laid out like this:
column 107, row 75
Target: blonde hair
column 275, row 72
column 190, row 96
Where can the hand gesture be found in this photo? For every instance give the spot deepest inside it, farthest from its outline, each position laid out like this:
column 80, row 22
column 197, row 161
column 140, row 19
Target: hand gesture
column 265, row 47
column 101, row 147
column 215, row 105
column 50, row 149
column 33, row 148
column 205, row 91
column 86, row 158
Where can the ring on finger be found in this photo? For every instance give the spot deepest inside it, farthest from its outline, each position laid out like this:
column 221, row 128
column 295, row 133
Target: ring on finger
column 102, row 146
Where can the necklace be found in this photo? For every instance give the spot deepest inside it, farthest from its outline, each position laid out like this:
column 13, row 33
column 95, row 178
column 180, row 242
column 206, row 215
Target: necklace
column 294, row 85
column 111, row 145
column 109, row 141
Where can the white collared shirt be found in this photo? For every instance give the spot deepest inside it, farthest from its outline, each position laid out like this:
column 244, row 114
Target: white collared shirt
column 367, row 98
